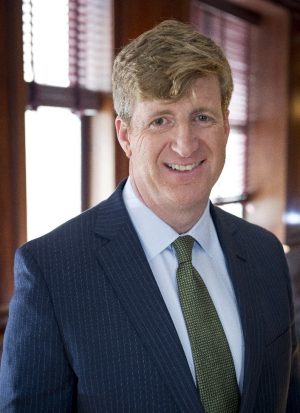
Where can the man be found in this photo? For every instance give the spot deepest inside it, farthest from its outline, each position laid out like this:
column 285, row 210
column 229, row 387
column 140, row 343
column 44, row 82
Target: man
column 106, row 315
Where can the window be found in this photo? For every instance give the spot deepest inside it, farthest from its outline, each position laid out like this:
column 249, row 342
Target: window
column 232, row 33
column 67, row 64
column 53, row 168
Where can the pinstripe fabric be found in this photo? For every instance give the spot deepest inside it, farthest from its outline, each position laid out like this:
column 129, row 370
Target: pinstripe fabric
column 88, row 330
column 261, row 281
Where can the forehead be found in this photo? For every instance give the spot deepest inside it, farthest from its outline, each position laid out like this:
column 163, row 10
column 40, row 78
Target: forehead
column 204, row 93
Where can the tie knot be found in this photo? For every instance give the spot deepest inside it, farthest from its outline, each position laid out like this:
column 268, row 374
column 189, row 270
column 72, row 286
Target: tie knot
column 183, row 247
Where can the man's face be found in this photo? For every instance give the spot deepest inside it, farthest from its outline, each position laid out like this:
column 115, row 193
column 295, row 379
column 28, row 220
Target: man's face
column 176, row 149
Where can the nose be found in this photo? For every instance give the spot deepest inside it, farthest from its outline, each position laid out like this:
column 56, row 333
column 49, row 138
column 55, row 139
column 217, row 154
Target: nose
column 184, row 143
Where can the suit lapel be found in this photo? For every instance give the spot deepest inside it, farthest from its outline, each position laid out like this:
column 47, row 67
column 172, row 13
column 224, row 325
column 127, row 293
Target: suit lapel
column 247, row 294
column 121, row 256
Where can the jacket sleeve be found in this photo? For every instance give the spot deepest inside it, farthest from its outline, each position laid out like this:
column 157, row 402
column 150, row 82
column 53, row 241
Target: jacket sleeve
column 35, row 375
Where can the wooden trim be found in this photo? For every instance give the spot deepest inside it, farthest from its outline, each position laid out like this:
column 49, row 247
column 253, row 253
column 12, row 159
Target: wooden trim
column 12, row 142
column 3, row 321
column 292, row 5
column 232, row 200
column 292, row 216
column 3, row 318
column 241, row 12
column 76, row 98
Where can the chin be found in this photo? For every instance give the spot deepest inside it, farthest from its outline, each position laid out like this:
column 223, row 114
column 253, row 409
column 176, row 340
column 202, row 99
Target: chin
column 191, row 193
column 184, row 201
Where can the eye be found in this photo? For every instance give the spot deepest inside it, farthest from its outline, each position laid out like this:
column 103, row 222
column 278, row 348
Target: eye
column 200, row 117
column 159, row 122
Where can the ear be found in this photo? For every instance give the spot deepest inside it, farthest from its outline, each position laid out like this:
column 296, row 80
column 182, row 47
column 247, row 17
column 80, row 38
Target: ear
column 123, row 135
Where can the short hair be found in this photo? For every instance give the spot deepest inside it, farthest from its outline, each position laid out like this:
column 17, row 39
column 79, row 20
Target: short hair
column 163, row 63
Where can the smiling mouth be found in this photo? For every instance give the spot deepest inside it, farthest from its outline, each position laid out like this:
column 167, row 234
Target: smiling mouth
column 182, row 168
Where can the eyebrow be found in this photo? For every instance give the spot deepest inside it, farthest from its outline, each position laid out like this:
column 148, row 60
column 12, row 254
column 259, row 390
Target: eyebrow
column 205, row 109
column 157, row 114
column 161, row 112
column 200, row 109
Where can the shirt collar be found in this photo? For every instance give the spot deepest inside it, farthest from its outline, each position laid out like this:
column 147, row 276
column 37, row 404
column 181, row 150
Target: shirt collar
column 155, row 234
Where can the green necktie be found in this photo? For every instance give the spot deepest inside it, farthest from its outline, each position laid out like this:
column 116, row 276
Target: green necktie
column 213, row 362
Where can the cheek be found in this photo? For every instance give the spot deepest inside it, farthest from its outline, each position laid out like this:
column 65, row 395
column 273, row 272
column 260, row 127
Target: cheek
column 137, row 143
column 147, row 152
column 140, row 157
column 217, row 146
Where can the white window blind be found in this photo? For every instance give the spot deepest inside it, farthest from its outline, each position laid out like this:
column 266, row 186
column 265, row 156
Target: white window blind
column 90, row 51
column 67, row 52
column 45, row 42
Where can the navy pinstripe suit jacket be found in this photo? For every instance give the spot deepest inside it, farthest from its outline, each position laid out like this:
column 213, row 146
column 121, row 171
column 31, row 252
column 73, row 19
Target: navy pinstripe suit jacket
column 88, row 330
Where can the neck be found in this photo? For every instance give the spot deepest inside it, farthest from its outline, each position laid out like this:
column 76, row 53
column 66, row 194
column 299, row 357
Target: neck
column 180, row 219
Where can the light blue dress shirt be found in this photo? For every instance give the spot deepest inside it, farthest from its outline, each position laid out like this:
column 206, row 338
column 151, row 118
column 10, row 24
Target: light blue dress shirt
column 156, row 237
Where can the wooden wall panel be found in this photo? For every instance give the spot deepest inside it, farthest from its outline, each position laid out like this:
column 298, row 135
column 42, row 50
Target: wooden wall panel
column 292, row 217
column 268, row 131
column 293, row 177
column 12, row 151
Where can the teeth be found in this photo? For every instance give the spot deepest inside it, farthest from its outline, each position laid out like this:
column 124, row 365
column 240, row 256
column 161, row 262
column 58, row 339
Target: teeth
column 177, row 167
